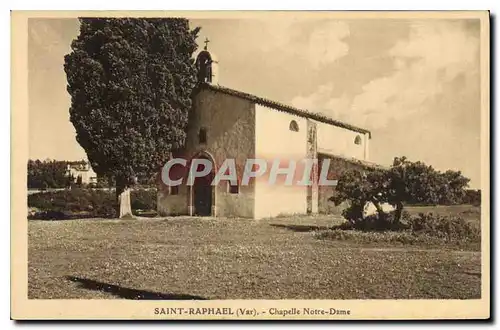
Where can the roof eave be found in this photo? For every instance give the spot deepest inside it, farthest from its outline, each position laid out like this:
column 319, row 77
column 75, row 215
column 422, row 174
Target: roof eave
column 286, row 108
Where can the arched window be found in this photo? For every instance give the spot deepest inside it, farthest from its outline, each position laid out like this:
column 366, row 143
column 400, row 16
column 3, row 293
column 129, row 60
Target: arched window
column 357, row 140
column 174, row 190
column 202, row 136
column 294, row 127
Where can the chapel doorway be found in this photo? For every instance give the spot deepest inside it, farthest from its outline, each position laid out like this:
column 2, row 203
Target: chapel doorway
column 202, row 195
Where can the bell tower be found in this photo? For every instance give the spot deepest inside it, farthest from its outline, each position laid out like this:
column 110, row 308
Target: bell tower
column 206, row 65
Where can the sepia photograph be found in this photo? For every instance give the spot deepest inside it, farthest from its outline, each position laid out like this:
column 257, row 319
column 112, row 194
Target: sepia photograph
column 251, row 165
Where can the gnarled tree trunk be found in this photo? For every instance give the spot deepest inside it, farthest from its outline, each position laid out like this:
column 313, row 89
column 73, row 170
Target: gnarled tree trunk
column 398, row 212
column 380, row 211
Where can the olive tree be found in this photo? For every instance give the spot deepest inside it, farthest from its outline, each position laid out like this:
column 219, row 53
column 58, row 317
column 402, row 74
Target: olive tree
column 404, row 182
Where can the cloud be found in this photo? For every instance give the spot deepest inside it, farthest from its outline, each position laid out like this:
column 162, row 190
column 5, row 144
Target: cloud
column 433, row 55
column 326, row 43
column 294, row 40
column 46, row 35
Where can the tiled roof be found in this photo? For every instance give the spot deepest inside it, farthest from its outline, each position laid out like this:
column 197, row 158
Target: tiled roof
column 286, row 108
column 363, row 163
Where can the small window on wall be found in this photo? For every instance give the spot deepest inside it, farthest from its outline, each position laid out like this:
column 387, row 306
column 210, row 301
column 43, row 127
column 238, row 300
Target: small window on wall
column 234, row 188
column 294, row 127
column 174, row 190
column 357, row 140
column 202, row 136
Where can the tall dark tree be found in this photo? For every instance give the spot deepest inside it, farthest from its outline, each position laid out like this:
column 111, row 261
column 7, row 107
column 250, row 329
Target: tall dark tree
column 79, row 180
column 472, row 196
column 130, row 81
column 47, row 174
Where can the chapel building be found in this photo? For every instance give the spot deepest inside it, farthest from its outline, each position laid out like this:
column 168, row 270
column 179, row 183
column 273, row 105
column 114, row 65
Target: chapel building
column 225, row 123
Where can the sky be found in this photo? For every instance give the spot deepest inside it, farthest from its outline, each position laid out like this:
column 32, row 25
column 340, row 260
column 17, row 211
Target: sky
column 413, row 83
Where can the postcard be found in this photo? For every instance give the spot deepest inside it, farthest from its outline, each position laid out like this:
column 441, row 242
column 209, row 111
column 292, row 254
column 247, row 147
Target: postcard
column 248, row 165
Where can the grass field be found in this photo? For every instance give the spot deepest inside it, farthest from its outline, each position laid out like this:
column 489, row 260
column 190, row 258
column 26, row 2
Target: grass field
column 202, row 258
column 468, row 212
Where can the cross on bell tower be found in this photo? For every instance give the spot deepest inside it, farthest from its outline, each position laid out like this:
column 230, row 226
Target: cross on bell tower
column 206, row 43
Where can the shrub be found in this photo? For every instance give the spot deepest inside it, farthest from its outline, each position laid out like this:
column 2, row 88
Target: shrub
column 143, row 199
column 73, row 203
column 444, row 227
column 85, row 203
column 429, row 229
column 49, row 215
column 405, row 237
